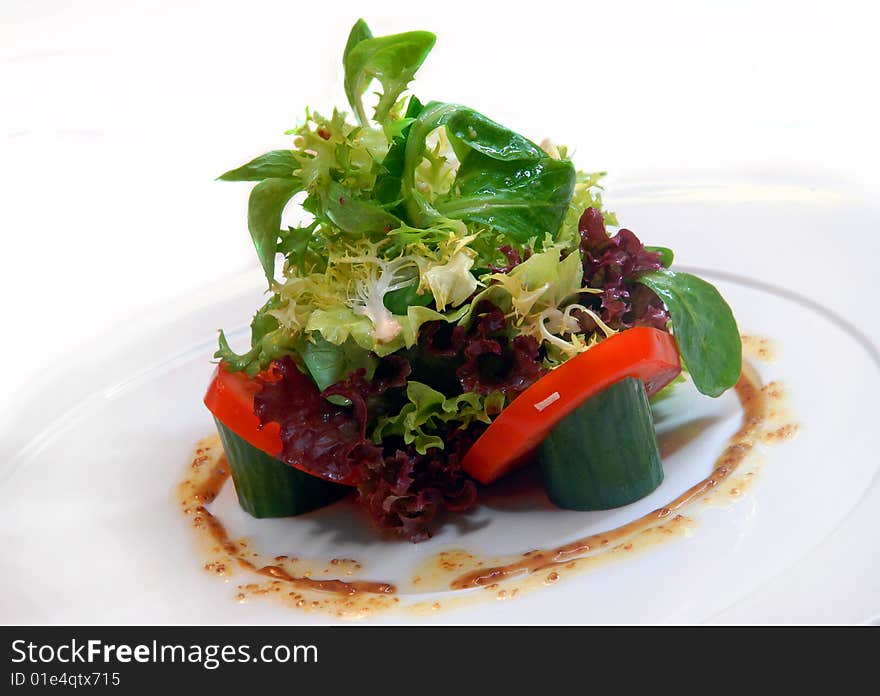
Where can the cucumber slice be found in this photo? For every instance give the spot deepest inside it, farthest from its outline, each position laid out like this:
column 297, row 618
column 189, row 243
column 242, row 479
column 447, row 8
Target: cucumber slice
column 267, row 487
column 604, row 454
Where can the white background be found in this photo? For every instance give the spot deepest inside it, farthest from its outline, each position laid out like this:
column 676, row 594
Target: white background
column 115, row 118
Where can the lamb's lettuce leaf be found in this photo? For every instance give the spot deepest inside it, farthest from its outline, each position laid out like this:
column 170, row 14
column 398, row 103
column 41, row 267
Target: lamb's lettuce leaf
column 504, row 181
column 265, row 206
column 523, row 199
column 666, row 254
column 704, row 328
column 329, row 363
column 404, row 215
column 392, row 60
column 277, row 164
column 359, row 218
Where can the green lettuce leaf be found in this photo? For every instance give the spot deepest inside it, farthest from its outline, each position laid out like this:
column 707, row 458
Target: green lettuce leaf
column 329, row 363
column 538, row 283
column 504, row 182
column 389, row 181
column 277, row 164
column 417, row 315
column 666, row 254
column 269, row 341
column 471, row 128
column 587, row 194
column 704, row 328
column 427, row 410
column 266, row 203
column 340, row 324
column 392, row 60
column 356, row 217
column 399, row 301
column 522, row 199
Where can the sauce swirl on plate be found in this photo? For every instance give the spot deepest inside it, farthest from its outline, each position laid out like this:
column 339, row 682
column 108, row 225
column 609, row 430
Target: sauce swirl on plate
column 456, row 572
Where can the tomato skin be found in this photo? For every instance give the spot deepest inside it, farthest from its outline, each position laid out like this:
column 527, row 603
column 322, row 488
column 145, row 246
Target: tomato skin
column 642, row 352
column 230, row 398
column 648, row 354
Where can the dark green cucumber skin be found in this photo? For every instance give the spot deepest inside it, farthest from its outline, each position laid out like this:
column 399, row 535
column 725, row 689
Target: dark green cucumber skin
column 267, row 487
column 604, row 454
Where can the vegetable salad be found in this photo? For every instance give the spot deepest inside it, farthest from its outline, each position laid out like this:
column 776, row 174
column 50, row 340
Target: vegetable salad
column 443, row 267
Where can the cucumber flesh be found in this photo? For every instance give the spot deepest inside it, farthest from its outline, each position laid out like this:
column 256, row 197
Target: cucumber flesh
column 604, row 454
column 267, row 487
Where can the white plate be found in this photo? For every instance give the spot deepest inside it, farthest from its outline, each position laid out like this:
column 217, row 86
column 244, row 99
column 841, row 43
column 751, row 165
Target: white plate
column 73, row 510
column 91, row 533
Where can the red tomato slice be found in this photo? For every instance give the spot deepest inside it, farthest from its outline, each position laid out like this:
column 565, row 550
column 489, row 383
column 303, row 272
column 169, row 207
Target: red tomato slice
column 646, row 353
column 230, row 397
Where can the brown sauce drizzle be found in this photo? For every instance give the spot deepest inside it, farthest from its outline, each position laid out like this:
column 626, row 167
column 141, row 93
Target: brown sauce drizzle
column 202, row 488
column 754, row 404
column 765, row 420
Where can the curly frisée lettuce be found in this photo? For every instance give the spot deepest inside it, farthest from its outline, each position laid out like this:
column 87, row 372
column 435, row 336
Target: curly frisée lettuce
column 443, row 264
column 427, row 410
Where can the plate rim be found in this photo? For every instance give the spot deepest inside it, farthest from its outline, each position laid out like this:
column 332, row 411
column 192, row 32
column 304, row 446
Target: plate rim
column 244, row 285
